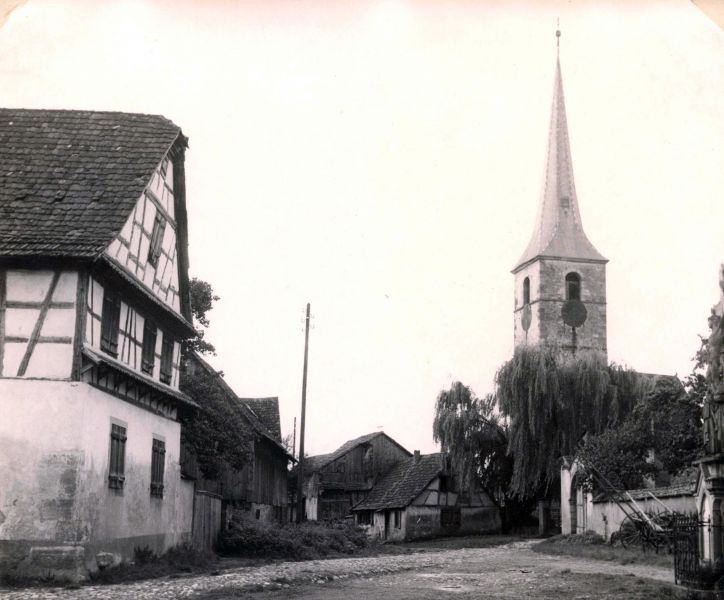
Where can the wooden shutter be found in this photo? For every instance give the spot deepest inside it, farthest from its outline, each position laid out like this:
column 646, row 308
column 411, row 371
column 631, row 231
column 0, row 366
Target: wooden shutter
column 148, row 355
column 109, row 323
column 166, row 359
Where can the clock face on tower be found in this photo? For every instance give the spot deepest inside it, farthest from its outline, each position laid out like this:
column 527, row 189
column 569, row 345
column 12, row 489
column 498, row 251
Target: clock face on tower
column 574, row 313
column 526, row 317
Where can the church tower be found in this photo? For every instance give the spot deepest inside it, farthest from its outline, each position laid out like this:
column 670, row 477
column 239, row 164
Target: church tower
column 560, row 281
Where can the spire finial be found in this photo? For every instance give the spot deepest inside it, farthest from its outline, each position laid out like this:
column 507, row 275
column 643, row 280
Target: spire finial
column 558, row 35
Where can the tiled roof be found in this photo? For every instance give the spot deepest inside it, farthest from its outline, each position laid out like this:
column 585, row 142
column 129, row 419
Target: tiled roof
column 69, row 179
column 684, row 485
column 403, row 483
column 267, row 409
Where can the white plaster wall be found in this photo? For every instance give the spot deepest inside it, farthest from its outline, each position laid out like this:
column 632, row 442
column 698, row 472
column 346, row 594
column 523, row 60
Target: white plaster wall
column 130, row 248
column 50, row 358
column 605, row 518
column 54, row 454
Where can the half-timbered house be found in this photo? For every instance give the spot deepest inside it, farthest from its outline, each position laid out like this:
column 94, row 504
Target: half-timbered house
column 334, row 483
column 94, row 306
column 259, row 489
column 421, row 498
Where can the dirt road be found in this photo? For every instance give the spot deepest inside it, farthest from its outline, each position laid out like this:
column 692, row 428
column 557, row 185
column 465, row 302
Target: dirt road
column 509, row 571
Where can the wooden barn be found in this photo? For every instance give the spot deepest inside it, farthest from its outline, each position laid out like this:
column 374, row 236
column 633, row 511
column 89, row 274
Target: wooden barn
column 334, row 483
column 421, row 498
column 259, row 490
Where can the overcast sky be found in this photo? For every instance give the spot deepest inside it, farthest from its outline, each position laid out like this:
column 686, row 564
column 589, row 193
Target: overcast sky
column 383, row 161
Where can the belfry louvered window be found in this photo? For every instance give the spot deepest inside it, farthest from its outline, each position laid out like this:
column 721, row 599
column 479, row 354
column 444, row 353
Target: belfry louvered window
column 166, row 359
column 154, row 249
column 158, row 458
column 117, row 467
column 148, row 355
column 109, row 323
column 573, row 286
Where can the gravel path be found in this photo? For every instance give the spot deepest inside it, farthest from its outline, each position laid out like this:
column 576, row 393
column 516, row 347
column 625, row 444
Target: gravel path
column 508, row 565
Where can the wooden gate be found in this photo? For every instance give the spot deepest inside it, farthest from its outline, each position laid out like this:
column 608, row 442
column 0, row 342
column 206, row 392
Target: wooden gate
column 207, row 520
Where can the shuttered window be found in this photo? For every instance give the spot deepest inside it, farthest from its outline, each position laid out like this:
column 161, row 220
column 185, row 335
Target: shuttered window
column 148, row 356
column 158, row 459
column 154, row 249
column 109, row 323
column 118, row 457
column 166, row 359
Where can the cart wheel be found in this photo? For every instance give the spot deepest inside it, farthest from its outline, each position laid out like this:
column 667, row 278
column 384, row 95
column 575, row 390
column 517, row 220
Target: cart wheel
column 629, row 534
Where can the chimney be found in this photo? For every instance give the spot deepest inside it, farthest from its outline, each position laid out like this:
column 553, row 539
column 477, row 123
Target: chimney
column 416, row 457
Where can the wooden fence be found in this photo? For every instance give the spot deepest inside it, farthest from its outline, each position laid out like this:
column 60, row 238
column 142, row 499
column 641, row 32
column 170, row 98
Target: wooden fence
column 207, row 520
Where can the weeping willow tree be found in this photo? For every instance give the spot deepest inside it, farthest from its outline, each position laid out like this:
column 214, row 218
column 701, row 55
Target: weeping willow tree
column 474, row 435
column 551, row 402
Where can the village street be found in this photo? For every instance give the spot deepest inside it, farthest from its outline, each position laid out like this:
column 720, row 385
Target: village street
column 509, row 571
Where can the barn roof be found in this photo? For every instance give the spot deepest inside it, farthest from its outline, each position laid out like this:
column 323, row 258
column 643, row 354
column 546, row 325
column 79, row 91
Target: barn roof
column 69, row 178
column 314, row 463
column 267, row 410
column 403, row 483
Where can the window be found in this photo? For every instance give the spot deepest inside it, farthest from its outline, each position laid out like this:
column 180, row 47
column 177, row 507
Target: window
column 573, row 286
column 118, row 457
column 526, row 291
column 154, row 250
column 364, row 517
column 148, row 355
column 109, row 323
column 398, row 519
column 158, row 458
column 166, row 359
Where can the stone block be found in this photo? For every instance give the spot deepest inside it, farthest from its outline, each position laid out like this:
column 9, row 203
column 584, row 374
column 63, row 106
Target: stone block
column 63, row 563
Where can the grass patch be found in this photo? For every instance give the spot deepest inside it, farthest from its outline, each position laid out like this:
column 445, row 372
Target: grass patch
column 592, row 545
column 306, row 541
column 177, row 562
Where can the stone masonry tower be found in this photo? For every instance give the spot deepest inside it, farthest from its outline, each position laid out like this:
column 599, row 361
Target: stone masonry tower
column 560, row 281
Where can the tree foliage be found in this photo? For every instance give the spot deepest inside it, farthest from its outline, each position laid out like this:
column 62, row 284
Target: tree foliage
column 551, row 402
column 202, row 300
column 474, row 436
column 662, row 432
column 218, row 433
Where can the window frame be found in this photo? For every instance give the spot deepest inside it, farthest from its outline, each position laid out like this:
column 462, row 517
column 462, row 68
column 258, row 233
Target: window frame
column 397, row 517
column 526, row 291
column 573, row 286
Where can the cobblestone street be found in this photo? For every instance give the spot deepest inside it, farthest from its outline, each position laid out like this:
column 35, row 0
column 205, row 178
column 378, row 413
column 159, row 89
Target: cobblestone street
column 510, row 571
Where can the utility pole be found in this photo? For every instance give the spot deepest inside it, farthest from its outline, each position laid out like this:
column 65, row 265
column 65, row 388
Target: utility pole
column 294, row 439
column 300, row 469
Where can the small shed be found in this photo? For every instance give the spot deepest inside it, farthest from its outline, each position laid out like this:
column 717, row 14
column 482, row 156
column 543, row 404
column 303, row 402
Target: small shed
column 421, row 498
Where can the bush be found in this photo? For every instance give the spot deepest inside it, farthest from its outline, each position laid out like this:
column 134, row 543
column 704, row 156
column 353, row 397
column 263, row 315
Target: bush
column 587, row 538
column 255, row 539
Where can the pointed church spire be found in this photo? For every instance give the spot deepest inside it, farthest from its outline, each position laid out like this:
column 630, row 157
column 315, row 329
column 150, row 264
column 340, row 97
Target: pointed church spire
column 558, row 230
